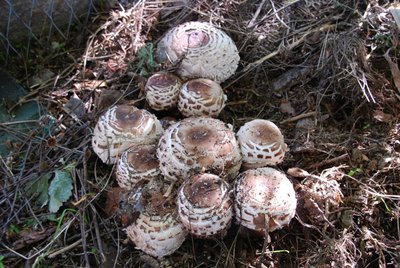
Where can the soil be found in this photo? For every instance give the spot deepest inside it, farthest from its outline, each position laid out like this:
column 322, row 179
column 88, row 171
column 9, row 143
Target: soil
column 325, row 72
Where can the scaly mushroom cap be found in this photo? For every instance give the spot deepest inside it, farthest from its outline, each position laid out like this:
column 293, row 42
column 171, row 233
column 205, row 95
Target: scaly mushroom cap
column 261, row 143
column 157, row 230
column 122, row 126
column 264, row 199
column 201, row 97
column 320, row 198
column 205, row 205
column 137, row 163
column 198, row 144
column 162, row 90
column 199, row 50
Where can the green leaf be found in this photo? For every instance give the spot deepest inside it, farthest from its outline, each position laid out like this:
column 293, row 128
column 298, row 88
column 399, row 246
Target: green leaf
column 38, row 189
column 1, row 261
column 60, row 190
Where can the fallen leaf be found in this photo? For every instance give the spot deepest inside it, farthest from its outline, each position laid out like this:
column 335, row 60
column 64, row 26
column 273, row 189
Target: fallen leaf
column 394, row 68
column 38, row 189
column 90, row 84
column 28, row 237
column 383, row 117
column 60, row 190
column 112, row 201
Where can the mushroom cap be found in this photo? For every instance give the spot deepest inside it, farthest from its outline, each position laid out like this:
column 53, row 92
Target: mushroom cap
column 201, row 97
column 261, row 143
column 199, row 50
column 320, row 197
column 264, row 199
column 137, row 163
column 157, row 230
column 205, row 205
column 162, row 90
column 198, row 144
column 122, row 126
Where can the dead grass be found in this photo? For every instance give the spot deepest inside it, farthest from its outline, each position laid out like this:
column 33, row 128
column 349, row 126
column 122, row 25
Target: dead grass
column 322, row 59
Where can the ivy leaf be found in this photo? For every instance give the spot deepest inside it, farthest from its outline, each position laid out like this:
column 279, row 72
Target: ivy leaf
column 38, row 189
column 60, row 190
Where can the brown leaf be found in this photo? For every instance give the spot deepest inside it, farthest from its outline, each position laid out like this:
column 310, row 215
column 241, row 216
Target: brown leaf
column 383, row 117
column 394, row 69
column 28, row 237
column 112, row 201
column 90, row 84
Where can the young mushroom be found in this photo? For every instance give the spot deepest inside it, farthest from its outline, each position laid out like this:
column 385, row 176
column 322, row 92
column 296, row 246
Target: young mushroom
column 162, row 90
column 198, row 144
column 205, row 205
column 122, row 126
column 201, row 97
column 156, row 229
column 137, row 163
column 320, row 197
column 265, row 199
column 199, row 50
column 261, row 143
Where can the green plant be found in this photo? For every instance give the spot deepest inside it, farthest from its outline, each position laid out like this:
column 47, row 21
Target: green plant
column 354, row 171
column 14, row 229
column 146, row 63
column 1, row 261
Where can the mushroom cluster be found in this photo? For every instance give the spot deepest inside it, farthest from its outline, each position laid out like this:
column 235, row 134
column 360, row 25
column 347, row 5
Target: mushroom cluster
column 194, row 175
column 203, row 56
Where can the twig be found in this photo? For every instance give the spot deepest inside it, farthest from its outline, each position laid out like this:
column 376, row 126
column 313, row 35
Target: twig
column 298, row 117
column 64, row 249
column 328, row 161
column 252, row 22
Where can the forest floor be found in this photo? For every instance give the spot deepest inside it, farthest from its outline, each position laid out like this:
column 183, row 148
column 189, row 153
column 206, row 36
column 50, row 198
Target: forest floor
column 326, row 72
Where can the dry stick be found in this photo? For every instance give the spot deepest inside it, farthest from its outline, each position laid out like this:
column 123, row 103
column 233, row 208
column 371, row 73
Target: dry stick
column 298, row 117
column 328, row 161
column 64, row 249
column 252, row 22
column 258, row 62
column 98, row 235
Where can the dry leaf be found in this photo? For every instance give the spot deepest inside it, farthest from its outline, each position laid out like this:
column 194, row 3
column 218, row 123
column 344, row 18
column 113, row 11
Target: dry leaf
column 383, row 117
column 112, row 201
column 394, row 69
column 90, row 84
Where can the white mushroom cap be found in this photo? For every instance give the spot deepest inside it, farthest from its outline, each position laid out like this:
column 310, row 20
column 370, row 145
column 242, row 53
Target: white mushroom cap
column 261, row 143
column 198, row 144
column 157, row 230
column 162, row 90
column 200, row 50
column 205, row 205
column 201, row 97
column 122, row 126
column 137, row 163
column 264, row 199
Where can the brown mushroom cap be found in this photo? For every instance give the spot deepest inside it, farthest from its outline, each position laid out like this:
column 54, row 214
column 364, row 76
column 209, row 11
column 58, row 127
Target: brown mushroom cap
column 205, row 205
column 201, row 97
column 137, row 163
column 261, row 143
column 162, row 90
column 157, row 230
column 198, row 144
column 200, row 50
column 264, row 199
column 122, row 126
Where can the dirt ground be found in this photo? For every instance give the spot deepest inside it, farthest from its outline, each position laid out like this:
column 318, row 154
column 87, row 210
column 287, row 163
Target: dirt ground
column 326, row 72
